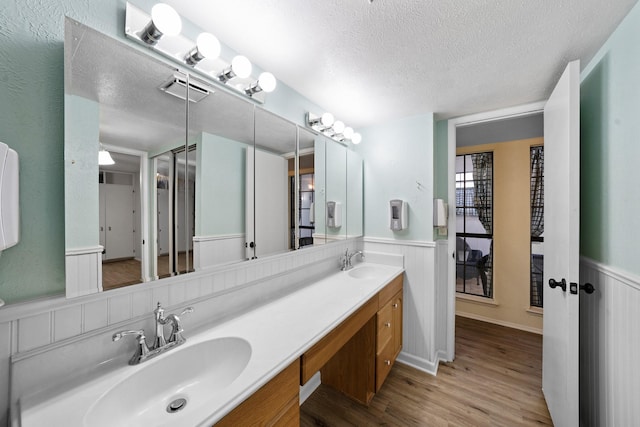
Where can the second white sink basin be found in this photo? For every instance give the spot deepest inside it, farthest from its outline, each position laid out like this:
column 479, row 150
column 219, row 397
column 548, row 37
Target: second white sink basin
column 366, row 272
column 164, row 391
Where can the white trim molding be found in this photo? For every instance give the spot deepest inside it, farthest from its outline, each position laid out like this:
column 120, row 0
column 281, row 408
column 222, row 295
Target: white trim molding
column 500, row 322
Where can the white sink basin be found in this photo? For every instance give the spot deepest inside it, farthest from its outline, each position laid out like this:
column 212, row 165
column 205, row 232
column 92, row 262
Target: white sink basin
column 192, row 373
column 366, row 272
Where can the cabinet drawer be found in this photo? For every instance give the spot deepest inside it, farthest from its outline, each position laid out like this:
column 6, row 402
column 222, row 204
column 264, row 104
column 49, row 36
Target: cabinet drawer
column 385, row 326
column 384, row 362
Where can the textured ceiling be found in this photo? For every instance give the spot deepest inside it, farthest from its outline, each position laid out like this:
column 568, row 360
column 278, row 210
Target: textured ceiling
column 394, row 58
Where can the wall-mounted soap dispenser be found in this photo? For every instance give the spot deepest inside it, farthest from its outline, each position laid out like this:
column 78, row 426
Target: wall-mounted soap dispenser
column 9, row 198
column 398, row 215
column 334, row 214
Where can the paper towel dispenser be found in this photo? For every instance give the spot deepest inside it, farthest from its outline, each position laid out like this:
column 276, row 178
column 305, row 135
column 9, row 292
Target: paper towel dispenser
column 9, row 198
column 334, row 214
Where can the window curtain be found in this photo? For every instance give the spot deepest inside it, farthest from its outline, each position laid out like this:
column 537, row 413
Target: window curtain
column 483, row 202
column 537, row 192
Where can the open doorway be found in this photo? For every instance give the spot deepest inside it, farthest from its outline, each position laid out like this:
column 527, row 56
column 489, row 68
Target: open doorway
column 491, row 238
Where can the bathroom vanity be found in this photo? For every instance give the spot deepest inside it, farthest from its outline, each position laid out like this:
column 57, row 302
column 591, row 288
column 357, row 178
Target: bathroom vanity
column 250, row 367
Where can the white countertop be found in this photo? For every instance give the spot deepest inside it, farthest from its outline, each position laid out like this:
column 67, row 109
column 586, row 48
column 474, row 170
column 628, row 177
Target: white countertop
column 278, row 332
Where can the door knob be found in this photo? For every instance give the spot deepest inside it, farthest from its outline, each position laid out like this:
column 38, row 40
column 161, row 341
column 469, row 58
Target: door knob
column 587, row 287
column 562, row 284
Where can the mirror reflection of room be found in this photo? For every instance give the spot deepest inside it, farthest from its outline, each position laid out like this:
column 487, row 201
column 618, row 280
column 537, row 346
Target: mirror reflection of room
column 120, row 221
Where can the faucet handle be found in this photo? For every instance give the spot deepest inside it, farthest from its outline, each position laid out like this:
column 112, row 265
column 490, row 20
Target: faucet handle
column 187, row 310
column 119, row 335
column 142, row 350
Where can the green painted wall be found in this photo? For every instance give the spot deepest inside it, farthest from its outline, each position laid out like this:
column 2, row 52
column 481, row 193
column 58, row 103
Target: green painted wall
column 398, row 164
column 32, row 123
column 610, row 131
column 220, row 185
column 440, row 165
column 82, row 123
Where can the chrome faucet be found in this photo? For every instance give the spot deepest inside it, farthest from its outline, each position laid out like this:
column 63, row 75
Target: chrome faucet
column 160, row 344
column 345, row 263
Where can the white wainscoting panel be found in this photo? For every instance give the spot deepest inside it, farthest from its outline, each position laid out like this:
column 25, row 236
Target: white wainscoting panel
column 609, row 347
column 83, row 269
column 419, row 319
column 214, row 250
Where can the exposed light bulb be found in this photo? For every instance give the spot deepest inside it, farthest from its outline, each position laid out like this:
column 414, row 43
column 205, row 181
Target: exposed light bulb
column 241, row 66
column 207, row 46
column 338, row 127
column 164, row 21
column 327, row 120
column 267, row 82
column 348, row 132
column 356, row 138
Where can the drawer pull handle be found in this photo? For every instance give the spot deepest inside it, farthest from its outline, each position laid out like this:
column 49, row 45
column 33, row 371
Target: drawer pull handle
column 395, row 305
column 388, row 324
column 387, row 362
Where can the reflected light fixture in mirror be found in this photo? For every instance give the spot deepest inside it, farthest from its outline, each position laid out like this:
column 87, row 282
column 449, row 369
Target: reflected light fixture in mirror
column 240, row 67
column 164, row 20
column 207, row 46
column 104, row 157
column 356, row 138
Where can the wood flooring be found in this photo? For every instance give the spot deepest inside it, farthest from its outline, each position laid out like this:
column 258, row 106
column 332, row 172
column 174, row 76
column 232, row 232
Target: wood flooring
column 495, row 380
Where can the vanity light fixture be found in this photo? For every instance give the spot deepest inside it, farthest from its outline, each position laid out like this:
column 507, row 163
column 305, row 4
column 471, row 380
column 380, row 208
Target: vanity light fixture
column 348, row 132
column 240, row 67
column 164, row 21
column 201, row 55
column 104, row 157
column 207, row 46
column 334, row 129
column 320, row 123
column 338, row 127
column 266, row 82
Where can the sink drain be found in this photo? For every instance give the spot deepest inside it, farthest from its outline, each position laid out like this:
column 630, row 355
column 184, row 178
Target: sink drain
column 176, row 406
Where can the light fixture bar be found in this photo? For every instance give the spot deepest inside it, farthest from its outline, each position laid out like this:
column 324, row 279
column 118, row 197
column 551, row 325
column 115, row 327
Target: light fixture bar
column 160, row 30
column 334, row 129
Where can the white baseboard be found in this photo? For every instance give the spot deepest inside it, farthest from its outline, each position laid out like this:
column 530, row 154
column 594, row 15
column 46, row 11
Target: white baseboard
column 500, row 322
column 419, row 363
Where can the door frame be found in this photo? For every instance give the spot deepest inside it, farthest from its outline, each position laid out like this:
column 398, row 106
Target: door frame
column 144, row 205
column 484, row 117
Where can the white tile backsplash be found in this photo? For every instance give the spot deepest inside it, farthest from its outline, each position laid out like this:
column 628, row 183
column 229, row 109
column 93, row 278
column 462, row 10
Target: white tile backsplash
column 142, row 302
column 96, row 315
column 67, row 323
column 119, row 308
column 34, row 331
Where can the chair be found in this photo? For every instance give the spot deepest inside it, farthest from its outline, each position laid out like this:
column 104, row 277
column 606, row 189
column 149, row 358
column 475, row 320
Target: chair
column 468, row 262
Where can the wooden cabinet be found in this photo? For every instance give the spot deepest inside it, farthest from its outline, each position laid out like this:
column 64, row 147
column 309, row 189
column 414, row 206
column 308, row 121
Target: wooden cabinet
column 274, row 404
column 389, row 338
column 356, row 357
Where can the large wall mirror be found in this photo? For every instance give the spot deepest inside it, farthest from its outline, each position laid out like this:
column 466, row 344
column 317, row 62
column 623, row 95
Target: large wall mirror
column 194, row 184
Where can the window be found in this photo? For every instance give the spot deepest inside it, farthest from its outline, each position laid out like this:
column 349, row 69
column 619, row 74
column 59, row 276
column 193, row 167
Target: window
column 537, row 225
column 474, row 222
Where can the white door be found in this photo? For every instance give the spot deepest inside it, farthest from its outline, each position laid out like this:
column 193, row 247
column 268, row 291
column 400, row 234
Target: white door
column 119, row 221
column 561, row 217
column 271, row 204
